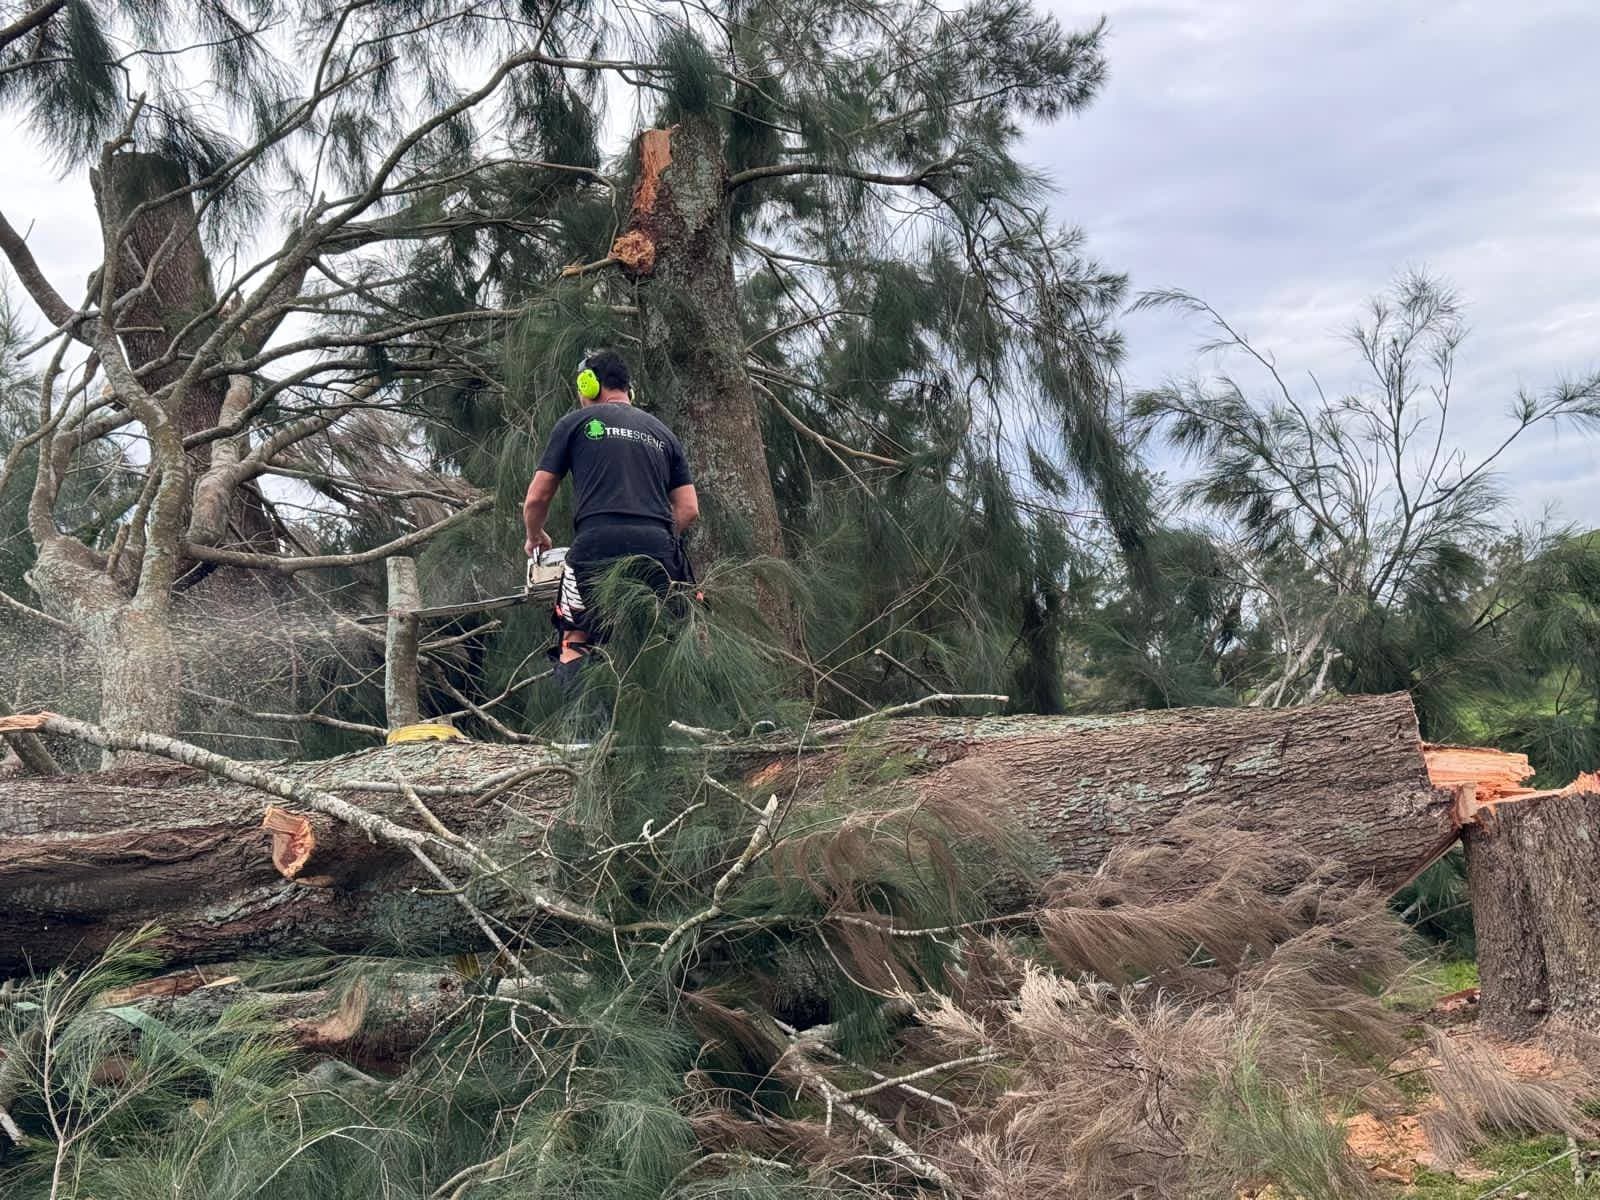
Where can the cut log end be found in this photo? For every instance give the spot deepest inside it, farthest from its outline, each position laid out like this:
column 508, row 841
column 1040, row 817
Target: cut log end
column 293, row 840
column 338, row 1029
column 1494, row 773
column 1482, row 778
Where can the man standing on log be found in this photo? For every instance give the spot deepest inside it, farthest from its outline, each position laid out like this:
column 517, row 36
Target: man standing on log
column 634, row 498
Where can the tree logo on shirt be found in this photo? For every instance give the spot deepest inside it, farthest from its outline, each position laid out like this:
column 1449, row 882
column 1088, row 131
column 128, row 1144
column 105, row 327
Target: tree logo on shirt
column 594, row 429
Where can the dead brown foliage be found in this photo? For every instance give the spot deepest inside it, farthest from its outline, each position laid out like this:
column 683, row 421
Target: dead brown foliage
column 1183, row 1024
column 1477, row 1097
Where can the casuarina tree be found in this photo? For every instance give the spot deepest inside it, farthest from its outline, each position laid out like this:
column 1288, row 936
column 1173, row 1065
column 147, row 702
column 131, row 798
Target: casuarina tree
column 399, row 229
column 847, row 295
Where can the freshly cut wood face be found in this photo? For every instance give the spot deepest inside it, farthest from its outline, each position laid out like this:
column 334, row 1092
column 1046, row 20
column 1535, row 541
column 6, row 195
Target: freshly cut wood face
column 1493, row 774
column 293, row 840
column 1482, row 778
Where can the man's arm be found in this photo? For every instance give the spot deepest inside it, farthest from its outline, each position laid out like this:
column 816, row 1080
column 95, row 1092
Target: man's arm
column 685, row 506
column 535, row 507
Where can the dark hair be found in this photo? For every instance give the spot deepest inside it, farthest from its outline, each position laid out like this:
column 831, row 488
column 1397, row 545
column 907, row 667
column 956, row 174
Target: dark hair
column 610, row 369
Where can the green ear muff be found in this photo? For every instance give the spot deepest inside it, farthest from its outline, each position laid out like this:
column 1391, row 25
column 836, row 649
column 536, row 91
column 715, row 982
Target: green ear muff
column 588, row 384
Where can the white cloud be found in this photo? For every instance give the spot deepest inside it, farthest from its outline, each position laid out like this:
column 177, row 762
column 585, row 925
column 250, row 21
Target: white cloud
column 1286, row 160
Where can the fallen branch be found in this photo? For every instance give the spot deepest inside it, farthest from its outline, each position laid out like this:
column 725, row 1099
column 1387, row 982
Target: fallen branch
column 728, row 1156
column 1545, row 1165
column 758, row 842
column 458, row 894
column 377, row 829
column 836, row 1098
column 835, row 728
column 900, row 1081
column 488, row 718
column 33, row 754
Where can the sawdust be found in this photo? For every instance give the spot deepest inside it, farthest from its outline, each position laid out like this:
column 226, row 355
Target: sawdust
column 1529, row 1061
column 1394, row 1149
column 635, row 251
column 1457, row 1006
column 1543, row 1059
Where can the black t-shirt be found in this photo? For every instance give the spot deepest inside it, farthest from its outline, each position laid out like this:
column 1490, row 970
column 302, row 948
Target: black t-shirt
column 623, row 462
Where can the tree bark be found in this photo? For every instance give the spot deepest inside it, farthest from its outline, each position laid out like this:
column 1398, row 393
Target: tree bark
column 167, row 236
column 1534, row 873
column 162, row 279
column 400, row 644
column 678, row 247
column 141, row 674
column 375, row 1022
column 85, row 858
column 152, row 325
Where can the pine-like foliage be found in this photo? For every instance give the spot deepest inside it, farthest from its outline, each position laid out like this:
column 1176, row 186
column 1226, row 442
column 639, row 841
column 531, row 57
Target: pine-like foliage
column 1552, row 617
column 1362, row 534
column 931, row 352
column 1184, row 1022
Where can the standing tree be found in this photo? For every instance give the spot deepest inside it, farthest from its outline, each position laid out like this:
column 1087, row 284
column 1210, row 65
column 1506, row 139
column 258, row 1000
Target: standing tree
column 228, row 359
column 1358, row 524
column 889, row 366
column 845, row 289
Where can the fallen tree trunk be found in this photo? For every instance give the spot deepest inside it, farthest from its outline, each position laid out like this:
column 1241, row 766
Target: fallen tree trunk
column 85, row 858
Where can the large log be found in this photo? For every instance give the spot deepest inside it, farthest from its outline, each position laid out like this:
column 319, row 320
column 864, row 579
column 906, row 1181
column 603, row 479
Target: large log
column 84, row 858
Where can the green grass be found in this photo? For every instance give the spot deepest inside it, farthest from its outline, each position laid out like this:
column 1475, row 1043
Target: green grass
column 1435, row 981
column 1455, row 976
column 1508, row 1160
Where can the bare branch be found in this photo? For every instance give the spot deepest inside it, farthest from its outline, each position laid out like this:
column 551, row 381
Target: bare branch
column 779, row 170
column 759, row 840
column 35, row 614
column 290, row 566
column 838, row 728
column 277, row 718
column 379, row 829
column 56, row 310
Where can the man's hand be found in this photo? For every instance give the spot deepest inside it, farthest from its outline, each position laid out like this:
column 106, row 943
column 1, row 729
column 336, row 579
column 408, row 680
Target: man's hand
column 535, row 508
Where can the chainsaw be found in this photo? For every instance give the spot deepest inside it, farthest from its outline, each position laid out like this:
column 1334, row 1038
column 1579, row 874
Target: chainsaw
column 544, row 571
column 540, row 584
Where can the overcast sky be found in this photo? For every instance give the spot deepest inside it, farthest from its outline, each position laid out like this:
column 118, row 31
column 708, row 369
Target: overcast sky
column 1284, row 159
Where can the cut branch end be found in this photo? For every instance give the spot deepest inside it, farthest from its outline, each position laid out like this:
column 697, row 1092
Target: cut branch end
column 293, row 840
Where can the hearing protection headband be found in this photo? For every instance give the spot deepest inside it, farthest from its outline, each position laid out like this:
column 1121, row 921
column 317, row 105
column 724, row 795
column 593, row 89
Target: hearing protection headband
column 588, row 382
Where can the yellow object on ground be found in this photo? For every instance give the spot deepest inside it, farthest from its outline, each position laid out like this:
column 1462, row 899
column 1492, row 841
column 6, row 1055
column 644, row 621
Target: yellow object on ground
column 425, row 731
